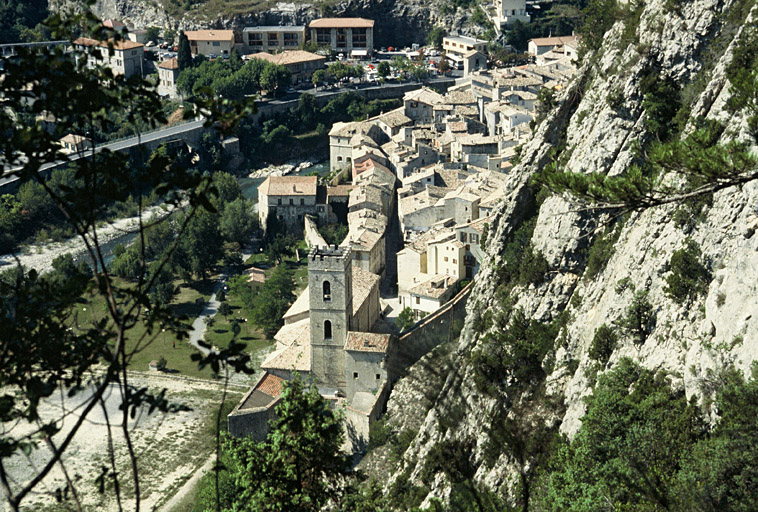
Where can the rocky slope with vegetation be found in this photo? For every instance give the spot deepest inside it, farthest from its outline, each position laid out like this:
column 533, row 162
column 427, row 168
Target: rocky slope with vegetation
column 398, row 22
column 581, row 311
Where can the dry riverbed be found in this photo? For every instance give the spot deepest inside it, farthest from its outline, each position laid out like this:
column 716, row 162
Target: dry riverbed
column 170, row 447
column 40, row 256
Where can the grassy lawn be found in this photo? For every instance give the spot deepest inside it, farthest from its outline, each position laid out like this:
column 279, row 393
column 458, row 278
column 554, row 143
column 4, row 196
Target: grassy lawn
column 159, row 343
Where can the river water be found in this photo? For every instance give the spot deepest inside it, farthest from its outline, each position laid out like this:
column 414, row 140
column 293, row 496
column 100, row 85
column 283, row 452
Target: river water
column 39, row 257
column 250, row 185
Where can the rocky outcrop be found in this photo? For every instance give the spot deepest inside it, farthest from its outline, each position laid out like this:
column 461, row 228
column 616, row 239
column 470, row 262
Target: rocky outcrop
column 398, row 22
column 595, row 128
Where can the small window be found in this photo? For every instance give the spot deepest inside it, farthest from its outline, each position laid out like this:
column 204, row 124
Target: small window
column 302, row 202
column 418, row 300
column 279, row 201
column 378, row 376
column 339, row 158
column 327, row 288
column 355, row 375
column 455, row 261
column 327, row 329
column 292, row 201
column 445, row 258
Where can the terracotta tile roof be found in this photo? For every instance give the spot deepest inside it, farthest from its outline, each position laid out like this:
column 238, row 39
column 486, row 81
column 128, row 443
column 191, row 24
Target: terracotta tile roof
column 553, row 41
column 424, row 95
column 363, row 282
column 300, row 306
column 288, row 57
column 210, row 35
column 296, row 357
column 460, row 98
column 342, row 23
column 435, row 287
column 275, row 28
column 297, row 333
column 121, row 45
column 289, row 186
column 271, row 385
column 73, row 138
column 339, row 191
column 367, row 341
column 395, row 118
column 361, row 239
column 369, row 219
column 477, row 225
column 169, row 64
column 113, row 24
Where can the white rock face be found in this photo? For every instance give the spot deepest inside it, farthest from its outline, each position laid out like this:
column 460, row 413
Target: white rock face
column 688, row 341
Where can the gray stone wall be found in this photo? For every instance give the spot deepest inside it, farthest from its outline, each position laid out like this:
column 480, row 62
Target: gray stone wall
column 362, row 370
column 327, row 352
column 441, row 326
column 252, row 421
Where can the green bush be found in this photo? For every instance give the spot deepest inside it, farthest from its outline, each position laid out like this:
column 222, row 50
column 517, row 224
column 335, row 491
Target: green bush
column 379, row 433
column 600, row 252
column 689, row 277
column 603, row 344
column 533, row 267
column 639, row 318
column 624, row 284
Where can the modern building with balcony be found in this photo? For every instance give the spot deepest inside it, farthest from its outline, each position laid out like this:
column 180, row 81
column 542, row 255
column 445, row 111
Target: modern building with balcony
column 271, row 39
column 352, row 36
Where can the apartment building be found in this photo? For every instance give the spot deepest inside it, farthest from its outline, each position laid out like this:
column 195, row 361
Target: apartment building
column 273, row 39
column 123, row 57
column 352, row 36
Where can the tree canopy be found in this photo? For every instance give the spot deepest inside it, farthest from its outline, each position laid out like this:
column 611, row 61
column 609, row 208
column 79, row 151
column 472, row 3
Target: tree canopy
column 298, row 467
column 45, row 347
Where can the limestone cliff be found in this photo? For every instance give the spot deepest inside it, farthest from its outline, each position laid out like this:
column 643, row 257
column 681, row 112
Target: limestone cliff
column 398, row 22
column 598, row 122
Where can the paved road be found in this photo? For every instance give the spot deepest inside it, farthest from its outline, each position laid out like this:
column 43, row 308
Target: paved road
column 121, row 145
column 198, row 326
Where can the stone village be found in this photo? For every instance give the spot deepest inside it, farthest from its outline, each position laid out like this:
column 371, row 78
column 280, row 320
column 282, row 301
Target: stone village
column 425, row 179
column 429, row 173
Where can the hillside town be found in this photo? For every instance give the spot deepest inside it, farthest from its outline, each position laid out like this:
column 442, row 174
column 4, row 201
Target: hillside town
column 422, row 183
column 433, row 170
column 378, row 255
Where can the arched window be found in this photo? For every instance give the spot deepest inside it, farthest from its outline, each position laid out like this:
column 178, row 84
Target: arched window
column 327, row 291
column 327, row 329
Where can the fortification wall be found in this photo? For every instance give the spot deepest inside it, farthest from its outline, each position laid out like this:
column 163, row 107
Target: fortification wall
column 312, row 237
column 442, row 325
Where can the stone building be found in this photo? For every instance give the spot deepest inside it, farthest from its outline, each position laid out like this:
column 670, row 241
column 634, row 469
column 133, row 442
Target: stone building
column 288, row 199
column 168, row 72
column 353, row 37
column 301, row 64
column 123, row 57
column 210, row 42
column 540, row 45
column 365, row 356
column 511, row 11
column 331, row 307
